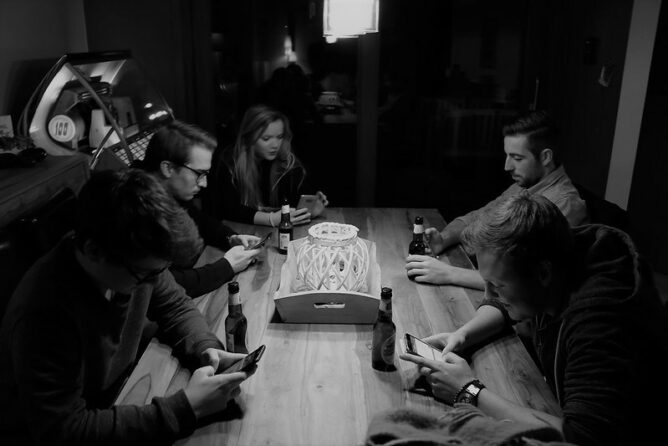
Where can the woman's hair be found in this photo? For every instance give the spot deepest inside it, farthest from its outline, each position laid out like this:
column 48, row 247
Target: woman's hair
column 174, row 143
column 244, row 169
column 128, row 214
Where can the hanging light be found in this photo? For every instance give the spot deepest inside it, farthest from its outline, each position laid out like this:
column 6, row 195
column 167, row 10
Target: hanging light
column 349, row 18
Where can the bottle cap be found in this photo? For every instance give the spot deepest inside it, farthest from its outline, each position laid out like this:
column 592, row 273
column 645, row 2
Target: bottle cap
column 418, row 220
column 233, row 287
column 386, row 292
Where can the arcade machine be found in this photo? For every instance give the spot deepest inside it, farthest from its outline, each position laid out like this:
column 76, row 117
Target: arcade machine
column 99, row 104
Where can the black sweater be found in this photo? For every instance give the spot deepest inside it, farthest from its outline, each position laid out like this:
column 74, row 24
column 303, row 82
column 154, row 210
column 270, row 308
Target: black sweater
column 203, row 279
column 65, row 351
column 605, row 356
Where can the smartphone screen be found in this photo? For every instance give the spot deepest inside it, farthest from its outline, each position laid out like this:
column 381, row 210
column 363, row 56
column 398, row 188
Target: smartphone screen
column 415, row 346
column 246, row 362
column 308, row 201
column 261, row 243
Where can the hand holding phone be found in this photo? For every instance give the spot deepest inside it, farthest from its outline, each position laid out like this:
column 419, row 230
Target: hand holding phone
column 415, row 346
column 261, row 243
column 246, row 364
column 311, row 202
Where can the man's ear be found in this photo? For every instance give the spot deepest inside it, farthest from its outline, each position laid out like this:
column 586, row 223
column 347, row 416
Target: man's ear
column 546, row 157
column 166, row 169
column 545, row 272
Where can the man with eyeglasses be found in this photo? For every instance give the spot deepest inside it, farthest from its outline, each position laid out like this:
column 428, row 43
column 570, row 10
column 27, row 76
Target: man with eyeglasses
column 72, row 329
column 179, row 155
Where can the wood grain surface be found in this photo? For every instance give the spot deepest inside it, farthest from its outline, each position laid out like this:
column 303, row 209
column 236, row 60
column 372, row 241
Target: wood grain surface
column 315, row 384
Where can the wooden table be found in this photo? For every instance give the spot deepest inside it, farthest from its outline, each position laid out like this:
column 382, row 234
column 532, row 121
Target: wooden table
column 315, row 384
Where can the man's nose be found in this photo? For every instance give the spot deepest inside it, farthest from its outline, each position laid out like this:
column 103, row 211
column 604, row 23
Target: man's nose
column 202, row 182
column 508, row 165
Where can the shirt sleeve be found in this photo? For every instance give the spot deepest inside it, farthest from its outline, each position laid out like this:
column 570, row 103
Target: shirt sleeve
column 507, row 321
column 599, row 375
column 47, row 361
column 213, row 232
column 574, row 209
column 183, row 326
column 202, row 280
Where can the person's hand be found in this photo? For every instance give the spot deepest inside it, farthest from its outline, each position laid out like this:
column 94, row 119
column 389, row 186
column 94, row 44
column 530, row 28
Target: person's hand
column 244, row 240
column 239, row 257
column 445, row 377
column 320, row 204
column 220, row 358
column 300, row 216
column 322, row 197
column 435, row 240
column 428, row 269
column 209, row 393
column 446, row 342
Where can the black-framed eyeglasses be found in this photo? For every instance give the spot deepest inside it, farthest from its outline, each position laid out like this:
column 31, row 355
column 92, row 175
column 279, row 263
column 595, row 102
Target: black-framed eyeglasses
column 145, row 276
column 201, row 174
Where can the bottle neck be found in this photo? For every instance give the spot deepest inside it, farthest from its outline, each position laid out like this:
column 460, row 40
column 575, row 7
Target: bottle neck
column 385, row 306
column 285, row 212
column 234, row 303
column 418, row 230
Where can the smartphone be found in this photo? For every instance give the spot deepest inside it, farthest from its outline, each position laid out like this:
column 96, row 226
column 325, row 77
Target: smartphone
column 261, row 243
column 312, row 203
column 243, row 365
column 415, row 346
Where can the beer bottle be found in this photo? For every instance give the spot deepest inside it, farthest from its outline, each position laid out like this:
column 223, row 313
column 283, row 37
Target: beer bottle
column 235, row 322
column 384, row 330
column 284, row 228
column 417, row 245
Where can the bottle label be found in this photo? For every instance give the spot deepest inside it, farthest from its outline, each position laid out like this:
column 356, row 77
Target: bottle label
column 418, row 229
column 387, row 350
column 283, row 241
column 229, row 342
column 385, row 305
column 285, row 209
column 235, row 299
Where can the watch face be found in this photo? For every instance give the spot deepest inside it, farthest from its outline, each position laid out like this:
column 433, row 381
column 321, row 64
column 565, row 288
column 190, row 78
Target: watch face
column 467, row 398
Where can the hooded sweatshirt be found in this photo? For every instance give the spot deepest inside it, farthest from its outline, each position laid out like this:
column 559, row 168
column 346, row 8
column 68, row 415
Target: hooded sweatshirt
column 605, row 355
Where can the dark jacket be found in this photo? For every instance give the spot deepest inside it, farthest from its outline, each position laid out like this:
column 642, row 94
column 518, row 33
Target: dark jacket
column 209, row 277
column 605, row 355
column 65, row 350
column 222, row 198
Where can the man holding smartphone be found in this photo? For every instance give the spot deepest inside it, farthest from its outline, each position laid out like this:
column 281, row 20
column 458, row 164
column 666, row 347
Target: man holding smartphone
column 72, row 329
column 179, row 155
column 599, row 329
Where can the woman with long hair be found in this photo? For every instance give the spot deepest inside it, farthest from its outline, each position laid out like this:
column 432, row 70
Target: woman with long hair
column 250, row 180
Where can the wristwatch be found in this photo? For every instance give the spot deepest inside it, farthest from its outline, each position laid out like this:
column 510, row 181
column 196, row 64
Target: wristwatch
column 469, row 393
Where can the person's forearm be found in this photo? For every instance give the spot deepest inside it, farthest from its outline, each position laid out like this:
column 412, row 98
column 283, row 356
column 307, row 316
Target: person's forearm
column 265, row 218
column 501, row 409
column 451, row 234
column 487, row 322
column 469, row 278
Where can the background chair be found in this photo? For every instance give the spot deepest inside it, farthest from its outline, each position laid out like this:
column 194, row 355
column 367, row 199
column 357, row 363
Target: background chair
column 604, row 212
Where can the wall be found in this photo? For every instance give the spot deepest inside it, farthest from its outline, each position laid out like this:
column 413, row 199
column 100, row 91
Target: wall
column 171, row 39
column 585, row 110
column 647, row 207
column 33, row 34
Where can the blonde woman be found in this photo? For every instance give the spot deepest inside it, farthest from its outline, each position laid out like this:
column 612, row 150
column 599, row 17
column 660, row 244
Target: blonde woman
column 249, row 181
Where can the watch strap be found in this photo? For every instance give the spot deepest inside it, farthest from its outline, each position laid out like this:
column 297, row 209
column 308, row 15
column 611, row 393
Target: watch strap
column 469, row 393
